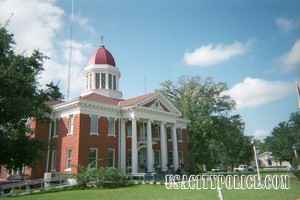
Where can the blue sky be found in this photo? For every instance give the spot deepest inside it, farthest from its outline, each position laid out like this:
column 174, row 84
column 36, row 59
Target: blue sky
column 253, row 46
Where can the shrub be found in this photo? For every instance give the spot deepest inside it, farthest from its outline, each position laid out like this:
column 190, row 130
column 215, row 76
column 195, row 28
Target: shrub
column 99, row 177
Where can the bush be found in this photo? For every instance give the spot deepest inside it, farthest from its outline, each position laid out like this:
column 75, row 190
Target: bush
column 99, row 177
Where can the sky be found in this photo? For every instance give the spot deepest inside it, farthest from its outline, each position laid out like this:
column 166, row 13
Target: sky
column 253, row 46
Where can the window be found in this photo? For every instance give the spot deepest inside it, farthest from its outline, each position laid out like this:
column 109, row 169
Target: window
column 71, row 124
column 181, row 160
column 170, row 158
column 169, row 133
column 102, row 80
column 114, row 82
column 269, row 162
column 56, row 124
column 111, row 158
column 129, row 160
column 69, row 159
column 157, row 158
column 53, row 164
column 97, row 80
column 109, row 81
column 93, row 157
column 156, row 132
column 129, row 129
column 94, row 124
column 111, row 126
column 179, row 134
column 143, row 131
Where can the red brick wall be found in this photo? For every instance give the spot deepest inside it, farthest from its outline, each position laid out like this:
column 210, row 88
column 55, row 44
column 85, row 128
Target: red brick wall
column 81, row 141
column 103, row 142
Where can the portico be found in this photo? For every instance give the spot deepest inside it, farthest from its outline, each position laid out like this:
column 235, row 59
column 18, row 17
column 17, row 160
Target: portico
column 144, row 121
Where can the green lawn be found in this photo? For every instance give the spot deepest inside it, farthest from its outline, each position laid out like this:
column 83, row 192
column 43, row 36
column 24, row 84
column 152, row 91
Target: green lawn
column 157, row 192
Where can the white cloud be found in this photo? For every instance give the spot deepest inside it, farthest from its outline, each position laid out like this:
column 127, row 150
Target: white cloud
column 34, row 23
column 261, row 134
column 291, row 60
column 254, row 92
column 84, row 22
column 37, row 24
column 210, row 54
column 286, row 25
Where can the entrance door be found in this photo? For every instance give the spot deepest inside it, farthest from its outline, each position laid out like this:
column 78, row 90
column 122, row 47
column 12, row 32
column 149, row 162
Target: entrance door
column 142, row 160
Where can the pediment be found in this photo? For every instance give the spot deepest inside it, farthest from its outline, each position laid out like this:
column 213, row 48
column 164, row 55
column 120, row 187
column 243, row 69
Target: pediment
column 159, row 102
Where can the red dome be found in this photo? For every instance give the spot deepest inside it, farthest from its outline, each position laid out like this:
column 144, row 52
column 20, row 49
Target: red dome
column 102, row 56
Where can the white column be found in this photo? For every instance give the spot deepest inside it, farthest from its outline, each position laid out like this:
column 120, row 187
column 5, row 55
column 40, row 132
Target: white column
column 106, row 81
column 117, row 82
column 163, row 147
column 123, row 146
column 134, row 152
column 149, row 147
column 94, row 81
column 175, row 147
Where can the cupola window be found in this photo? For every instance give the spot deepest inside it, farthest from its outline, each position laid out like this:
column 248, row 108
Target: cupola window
column 110, row 81
column 97, row 80
column 114, row 82
column 102, row 80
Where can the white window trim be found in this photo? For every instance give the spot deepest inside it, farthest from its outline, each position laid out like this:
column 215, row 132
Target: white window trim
column 113, row 157
column 96, row 156
column 129, row 136
column 158, row 166
column 55, row 135
column 171, row 164
column 68, row 169
column 158, row 133
column 181, row 152
column 169, row 140
column 131, row 158
column 70, row 133
column 94, row 133
column 180, row 132
column 53, row 168
column 111, row 134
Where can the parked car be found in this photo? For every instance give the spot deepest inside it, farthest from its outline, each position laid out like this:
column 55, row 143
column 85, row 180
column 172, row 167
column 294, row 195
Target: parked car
column 219, row 170
column 251, row 168
column 243, row 168
column 19, row 178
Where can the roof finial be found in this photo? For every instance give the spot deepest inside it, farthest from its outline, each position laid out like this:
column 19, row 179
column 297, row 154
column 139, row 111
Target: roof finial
column 102, row 44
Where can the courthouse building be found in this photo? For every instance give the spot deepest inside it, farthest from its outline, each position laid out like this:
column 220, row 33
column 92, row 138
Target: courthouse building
column 141, row 134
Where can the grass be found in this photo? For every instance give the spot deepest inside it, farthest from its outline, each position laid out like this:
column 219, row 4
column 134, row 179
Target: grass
column 157, row 192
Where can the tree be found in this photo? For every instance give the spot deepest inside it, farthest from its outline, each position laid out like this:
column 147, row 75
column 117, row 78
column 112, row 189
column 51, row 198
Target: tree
column 21, row 98
column 284, row 137
column 233, row 148
column 203, row 103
